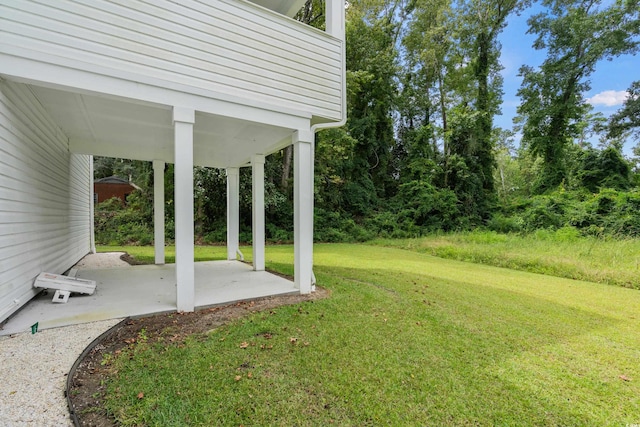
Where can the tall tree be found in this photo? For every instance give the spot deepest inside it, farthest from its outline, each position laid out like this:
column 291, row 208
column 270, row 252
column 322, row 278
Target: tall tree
column 371, row 78
column 483, row 21
column 424, row 100
column 486, row 21
column 628, row 117
column 452, row 47
column 576, row 34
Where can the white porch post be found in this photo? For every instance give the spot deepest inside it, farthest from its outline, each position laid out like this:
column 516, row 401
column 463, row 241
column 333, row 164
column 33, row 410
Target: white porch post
column 183, row 120
column 158, row 210
column 257, row 179
column 233, row 212
column 302, row 210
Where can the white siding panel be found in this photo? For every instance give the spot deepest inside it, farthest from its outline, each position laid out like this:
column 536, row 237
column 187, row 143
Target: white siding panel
column 44, row 197
column 229, row 47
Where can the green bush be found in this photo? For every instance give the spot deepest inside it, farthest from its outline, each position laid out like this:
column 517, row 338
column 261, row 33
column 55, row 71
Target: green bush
column 567, row 234
column 544, row 212
column 506, row 224
column 608, row 212
column 216, row 236
column 117, row 223
column 420, row 209
column 277, row 234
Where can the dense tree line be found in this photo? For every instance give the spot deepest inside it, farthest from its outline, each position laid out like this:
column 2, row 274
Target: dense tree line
column 420, row 152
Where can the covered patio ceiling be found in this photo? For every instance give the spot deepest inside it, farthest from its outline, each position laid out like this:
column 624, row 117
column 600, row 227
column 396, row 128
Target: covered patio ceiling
column 286, row 7
column 123, row 128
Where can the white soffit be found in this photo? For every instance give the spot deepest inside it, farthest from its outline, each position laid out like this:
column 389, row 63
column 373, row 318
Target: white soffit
column 107, row 126
column 285, row 7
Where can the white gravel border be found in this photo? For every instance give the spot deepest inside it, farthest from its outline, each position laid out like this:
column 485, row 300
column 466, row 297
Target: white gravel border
column 34, row 369
column 102, row 260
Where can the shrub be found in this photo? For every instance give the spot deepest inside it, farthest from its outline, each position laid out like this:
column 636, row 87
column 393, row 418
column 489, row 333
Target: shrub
column 608, row 212
column 216, row 236
column 123, row 225
column 506, row 224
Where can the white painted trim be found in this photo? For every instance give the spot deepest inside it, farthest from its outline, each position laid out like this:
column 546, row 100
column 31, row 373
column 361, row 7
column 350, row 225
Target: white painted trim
column 257, row 207
column 312, row 192
column 338, row 18
column 183, row 182
column 302, row 211
column 37, row 72
column 92, row 220
column 182, row 114
column 334, row 23
column 158, row 211
column 233, row 213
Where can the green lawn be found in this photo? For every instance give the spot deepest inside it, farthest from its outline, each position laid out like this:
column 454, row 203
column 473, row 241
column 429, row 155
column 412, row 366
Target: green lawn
column 146, row 254
column 560, row 253
column 404, row 339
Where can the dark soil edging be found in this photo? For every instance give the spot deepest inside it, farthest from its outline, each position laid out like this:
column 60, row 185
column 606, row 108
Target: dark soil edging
column 131, row 260
column 76, row 364
column 86, row 382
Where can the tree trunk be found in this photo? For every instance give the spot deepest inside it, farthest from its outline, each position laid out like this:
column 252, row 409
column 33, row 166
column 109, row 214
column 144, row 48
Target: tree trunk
column 484, row 124
column 287, row 155
column 445, row 147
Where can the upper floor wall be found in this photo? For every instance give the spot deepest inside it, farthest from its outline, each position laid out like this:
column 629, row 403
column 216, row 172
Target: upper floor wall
column 231, row 50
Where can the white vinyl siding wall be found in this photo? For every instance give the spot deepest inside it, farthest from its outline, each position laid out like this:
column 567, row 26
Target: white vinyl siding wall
column 44, row 197
column 226, row 48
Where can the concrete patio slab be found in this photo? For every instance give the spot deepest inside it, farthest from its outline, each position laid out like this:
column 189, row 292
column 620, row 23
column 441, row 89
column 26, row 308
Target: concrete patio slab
column 147, row 289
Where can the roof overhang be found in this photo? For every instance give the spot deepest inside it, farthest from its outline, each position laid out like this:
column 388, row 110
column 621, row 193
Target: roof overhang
column 114, row 127
column 285, row 7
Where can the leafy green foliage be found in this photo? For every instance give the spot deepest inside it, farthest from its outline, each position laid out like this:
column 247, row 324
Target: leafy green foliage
column 608, row 212
column 371, row 68
column 628, row 118
column 576, row 35
column 604, row 169
column 419, row 152
column 116, row 224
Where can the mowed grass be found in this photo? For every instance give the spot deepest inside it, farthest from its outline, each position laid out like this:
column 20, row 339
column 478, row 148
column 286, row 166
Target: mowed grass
column 404, row 339
column 559, row 253
column 146, row 254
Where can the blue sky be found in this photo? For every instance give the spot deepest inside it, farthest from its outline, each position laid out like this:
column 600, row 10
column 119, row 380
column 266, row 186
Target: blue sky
column 608, row 83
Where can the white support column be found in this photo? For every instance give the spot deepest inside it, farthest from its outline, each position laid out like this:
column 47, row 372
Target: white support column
column 303, row 210
column 92, row 204
column 312, row 168
column 334, row 13
column 233, row 212
column 158, row 211
column 183, row 120
column 257, row 180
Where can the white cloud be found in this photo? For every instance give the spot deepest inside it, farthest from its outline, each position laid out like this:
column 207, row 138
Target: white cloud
column 608, row 98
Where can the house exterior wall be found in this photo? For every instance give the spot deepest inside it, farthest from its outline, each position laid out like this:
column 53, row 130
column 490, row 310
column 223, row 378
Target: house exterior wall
column 226, row 49
column 44, row 197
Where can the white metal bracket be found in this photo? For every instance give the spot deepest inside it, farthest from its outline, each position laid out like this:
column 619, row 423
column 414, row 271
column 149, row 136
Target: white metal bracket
column 61, row 296
column 313, row 281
